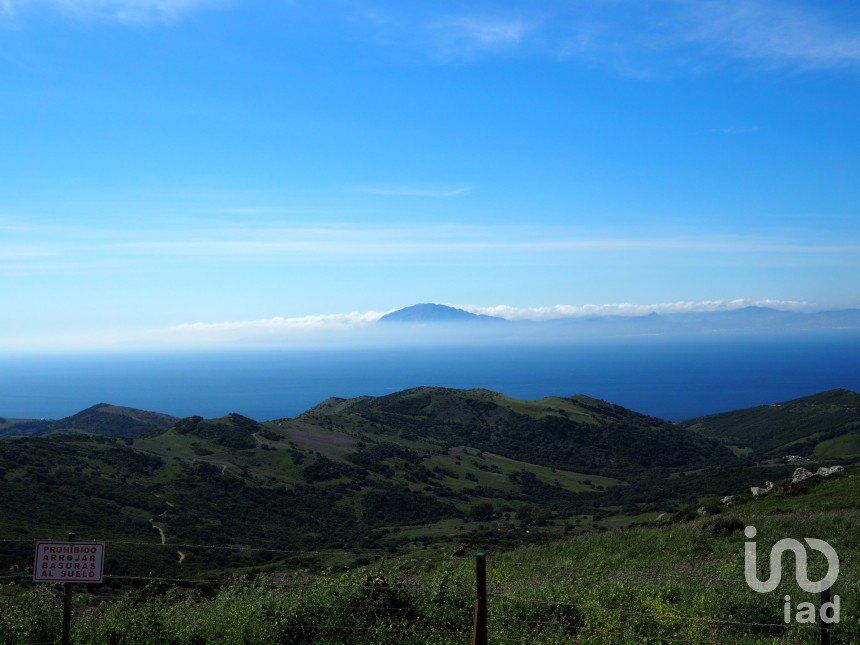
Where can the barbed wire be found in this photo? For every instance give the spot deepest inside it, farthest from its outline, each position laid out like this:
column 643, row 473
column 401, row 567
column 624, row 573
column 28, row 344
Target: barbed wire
column 226, row 547
column 567, row 626
column 633, row 612
column 263, row 581
column 610, row 578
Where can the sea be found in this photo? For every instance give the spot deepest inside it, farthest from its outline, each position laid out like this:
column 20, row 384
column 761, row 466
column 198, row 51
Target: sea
column 673, row 379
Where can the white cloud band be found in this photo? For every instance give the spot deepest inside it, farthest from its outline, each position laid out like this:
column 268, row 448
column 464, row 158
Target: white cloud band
column 630, row 309
column 357, row 319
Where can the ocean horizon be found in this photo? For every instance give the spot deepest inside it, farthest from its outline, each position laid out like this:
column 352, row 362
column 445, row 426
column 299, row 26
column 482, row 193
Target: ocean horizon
column 669, row 378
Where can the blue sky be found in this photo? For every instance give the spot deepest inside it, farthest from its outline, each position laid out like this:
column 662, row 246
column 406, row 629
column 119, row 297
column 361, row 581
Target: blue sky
column 167, row 162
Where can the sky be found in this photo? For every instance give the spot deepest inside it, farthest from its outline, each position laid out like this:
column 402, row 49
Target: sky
column 172, row 163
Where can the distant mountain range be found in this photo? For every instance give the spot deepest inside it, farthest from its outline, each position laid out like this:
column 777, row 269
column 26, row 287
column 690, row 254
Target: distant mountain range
column 746, row 319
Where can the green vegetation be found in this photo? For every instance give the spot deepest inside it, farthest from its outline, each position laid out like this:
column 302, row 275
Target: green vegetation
column 351, row 521
column 348, row 472
column 676, row 582
column 797, row 427
column 846, row 445
column 101, row 419
column 397, row 473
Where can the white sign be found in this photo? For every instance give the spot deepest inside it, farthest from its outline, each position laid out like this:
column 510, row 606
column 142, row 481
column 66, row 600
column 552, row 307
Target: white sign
column 80, row 562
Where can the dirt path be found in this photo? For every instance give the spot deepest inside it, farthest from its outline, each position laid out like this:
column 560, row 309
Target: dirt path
column 160, row 530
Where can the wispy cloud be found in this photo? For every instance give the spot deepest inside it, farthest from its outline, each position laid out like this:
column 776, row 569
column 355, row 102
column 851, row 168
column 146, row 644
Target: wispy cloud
column 482, row 33
column 392, row 242
column 128, row 11
column 735, row 130
column 24, row 251
column 252, row 242
column 629, row 309
column 776, row 33
column 633, row 38
column 416, row 191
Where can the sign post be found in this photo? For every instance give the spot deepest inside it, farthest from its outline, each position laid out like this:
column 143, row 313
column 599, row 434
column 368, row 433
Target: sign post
column 67, row 563
column 67, row 604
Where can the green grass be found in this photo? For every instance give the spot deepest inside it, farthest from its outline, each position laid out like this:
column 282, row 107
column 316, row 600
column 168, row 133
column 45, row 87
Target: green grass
column 650, row 584
column 847, row 445
column 681, row 582
column 834, row 493
column 502, row 466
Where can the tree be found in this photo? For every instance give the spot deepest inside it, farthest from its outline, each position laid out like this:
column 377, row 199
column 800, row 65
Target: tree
column 482, row 511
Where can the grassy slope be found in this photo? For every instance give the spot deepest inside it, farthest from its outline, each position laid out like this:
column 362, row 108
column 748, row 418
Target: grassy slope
column 794, row 426
column 678, row 582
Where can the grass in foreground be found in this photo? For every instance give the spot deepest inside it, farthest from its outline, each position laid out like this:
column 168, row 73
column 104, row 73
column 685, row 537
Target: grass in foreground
column 682, row 582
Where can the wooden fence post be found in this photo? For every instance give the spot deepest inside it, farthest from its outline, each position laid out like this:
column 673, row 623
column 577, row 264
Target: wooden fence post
column 824, row 637
column 479, row 631
column 67, row 605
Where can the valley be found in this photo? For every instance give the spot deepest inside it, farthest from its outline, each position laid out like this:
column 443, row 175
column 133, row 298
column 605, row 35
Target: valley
column 418, row 470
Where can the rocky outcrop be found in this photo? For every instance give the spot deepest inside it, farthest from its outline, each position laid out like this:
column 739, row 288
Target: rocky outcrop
column 826, row 472
column 801, row 474
column 758, row 492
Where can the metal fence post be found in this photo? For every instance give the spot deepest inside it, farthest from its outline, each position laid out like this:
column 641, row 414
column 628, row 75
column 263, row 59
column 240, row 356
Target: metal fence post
column 479, row 632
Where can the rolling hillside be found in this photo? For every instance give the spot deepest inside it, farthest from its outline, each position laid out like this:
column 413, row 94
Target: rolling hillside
column 824, row 425
column 418, row 469
column 427, row 465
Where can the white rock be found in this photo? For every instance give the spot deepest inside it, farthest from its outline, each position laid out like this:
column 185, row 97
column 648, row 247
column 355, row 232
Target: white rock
column 800, row 475
column 826, row 472
column 727, row 499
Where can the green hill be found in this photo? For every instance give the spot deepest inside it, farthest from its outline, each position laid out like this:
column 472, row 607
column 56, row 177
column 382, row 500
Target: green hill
column 576, row 433
column 424, row 466
column 822, row 425
column 344, row 521
column 409, row 471
column 101, row 419
column 114, row 421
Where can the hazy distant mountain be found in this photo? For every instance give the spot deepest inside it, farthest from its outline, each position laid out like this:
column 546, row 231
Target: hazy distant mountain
column 744, row 320
column 433, row 313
